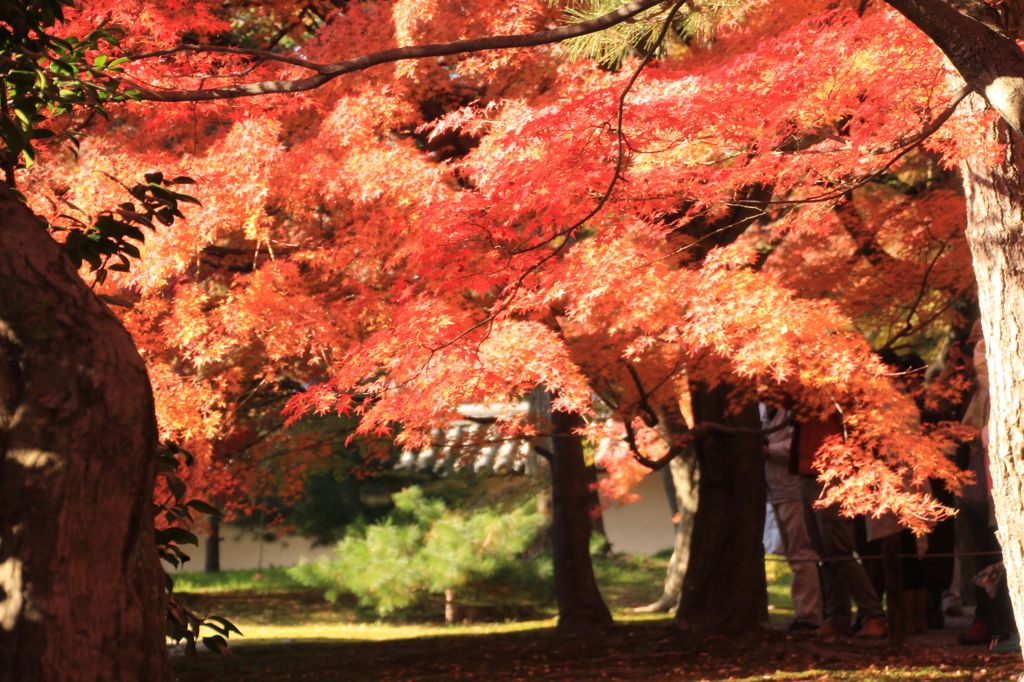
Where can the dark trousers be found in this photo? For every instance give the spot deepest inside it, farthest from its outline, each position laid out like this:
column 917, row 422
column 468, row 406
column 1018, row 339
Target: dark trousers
column 842, row 576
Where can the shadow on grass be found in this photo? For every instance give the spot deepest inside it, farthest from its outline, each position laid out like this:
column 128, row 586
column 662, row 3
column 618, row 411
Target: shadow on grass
column 296, row 607
column 631, row 651
column 294, row 634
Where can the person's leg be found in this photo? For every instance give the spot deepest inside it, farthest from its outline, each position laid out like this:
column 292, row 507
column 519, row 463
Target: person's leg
column 983, row 540
column 835, row 596
column 837, row 539
column 803, row 560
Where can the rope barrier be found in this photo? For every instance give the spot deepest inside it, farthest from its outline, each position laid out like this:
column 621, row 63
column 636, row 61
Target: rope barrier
column 857, row 557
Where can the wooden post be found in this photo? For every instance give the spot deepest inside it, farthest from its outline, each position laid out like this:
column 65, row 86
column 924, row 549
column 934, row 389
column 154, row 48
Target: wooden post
column 449, row 607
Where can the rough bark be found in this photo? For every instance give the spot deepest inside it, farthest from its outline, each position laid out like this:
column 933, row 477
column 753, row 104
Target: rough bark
column 723, row 587
column 580, row 606
column 995, row 232
column 80, row 585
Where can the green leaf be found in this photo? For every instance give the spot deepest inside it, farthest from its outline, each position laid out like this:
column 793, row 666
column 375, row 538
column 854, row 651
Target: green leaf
column 58, row 66
column 180, row 536
column 227, row 624
column 189, row 457
column 164, row 196
column 132, row 232
column 30, row 156
column 166, row 544
column 186, row 198
column 167, row 462
column 131, row 250
column 117, row 300
column 204, row 508
column 217, row 644
column 176, row 485
column 165, row 216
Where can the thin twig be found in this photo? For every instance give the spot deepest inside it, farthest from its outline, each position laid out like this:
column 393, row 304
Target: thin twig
column 490, row 319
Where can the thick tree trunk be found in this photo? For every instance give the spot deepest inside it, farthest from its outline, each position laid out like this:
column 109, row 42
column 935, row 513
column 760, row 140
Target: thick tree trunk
column 723, row 583
column 718, row 558
column 995, row 231
column 80, row 585
column 580, row 606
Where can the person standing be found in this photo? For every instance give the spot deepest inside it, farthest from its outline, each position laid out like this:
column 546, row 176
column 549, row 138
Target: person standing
column 832, row 536
column 784, row 496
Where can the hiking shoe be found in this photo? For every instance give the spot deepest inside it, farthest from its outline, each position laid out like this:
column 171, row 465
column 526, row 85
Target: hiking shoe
column 872, row 628
column 830, row 629
column 802, row 626
column 977, row 635
column 1006, row 645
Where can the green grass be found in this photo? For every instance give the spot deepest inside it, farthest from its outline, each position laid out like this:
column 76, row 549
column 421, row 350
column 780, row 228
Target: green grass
column 269, row 579
column 628, row 580
column 779, row 577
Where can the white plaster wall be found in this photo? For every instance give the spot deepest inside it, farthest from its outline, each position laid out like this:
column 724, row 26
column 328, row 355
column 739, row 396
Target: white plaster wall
column 643, row 527
column 240, row 549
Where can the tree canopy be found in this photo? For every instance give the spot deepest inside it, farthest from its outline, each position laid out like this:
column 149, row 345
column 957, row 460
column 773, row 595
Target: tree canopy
column 758, row 205
column 402, row 207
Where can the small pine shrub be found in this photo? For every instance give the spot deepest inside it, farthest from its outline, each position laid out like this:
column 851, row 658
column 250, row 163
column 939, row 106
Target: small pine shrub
column 426, row 548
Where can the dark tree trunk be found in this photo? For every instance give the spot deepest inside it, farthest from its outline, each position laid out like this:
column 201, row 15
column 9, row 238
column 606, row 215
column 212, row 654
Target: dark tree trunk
column 596, row 517
column 718, row 559
column 81, row 590
column 212, row 563
column 722, row 488
column 580, row 606
column 995, row 231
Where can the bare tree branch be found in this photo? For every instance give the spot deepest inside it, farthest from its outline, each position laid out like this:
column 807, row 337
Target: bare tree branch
column 649, row 417
column 328, row 72
column 259, row 55
column 991, row 62
column 698, row 431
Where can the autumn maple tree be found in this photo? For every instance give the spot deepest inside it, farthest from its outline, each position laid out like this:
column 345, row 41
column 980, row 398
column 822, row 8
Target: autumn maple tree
column 688, row 205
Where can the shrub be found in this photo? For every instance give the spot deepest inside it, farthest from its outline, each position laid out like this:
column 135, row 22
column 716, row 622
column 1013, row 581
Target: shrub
column 424, row 548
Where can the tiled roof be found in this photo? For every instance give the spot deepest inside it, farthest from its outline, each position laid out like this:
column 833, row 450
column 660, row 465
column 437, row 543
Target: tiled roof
column 477, row 442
